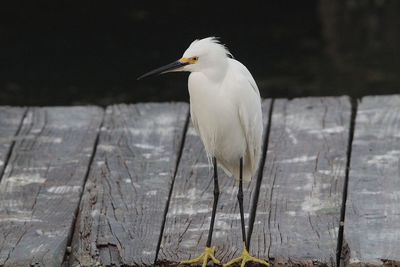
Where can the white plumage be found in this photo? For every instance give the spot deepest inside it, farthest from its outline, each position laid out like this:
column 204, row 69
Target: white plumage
column 225, row 107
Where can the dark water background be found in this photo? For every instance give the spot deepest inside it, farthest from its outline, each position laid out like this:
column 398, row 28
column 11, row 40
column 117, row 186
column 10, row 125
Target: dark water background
column 90, row 52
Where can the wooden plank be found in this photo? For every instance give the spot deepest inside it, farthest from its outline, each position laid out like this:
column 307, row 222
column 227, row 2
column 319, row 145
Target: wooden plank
column 301, row 192
column 372, row 222
column 42, row 184
column 125, row 197
column 10, row 122
column 189, row 213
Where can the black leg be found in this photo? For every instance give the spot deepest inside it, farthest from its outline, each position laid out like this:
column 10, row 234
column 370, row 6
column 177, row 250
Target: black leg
column 214, row 209
column 240, row 200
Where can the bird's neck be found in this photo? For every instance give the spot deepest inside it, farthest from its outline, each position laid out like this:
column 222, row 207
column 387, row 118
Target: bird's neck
column 216, row 73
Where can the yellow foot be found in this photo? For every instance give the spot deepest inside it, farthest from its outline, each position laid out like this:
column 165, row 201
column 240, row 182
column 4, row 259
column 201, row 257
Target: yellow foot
column 244, row 258
column 203, row 259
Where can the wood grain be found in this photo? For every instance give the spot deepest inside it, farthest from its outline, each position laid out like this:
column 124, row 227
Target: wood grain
column 10, row 122
column 189, row 213
column 128, row 186
column 298, row 211
column 372, row 222
column 42, row 184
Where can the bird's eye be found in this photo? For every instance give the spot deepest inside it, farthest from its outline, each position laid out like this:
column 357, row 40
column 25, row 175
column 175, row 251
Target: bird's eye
column 195, row 58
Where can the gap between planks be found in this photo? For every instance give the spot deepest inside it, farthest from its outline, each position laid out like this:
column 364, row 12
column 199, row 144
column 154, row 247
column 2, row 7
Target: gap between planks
column 339, row 249
column 178, row 159
column 371, row 228
column 254, row 201
column 71, row 234
column 7, row 158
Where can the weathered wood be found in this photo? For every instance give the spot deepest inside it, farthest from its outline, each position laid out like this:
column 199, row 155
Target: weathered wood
column 10, row 122
column 42, row 184
column 189, row 212
column 372, row 222
column 126, row 194
column 301, row 193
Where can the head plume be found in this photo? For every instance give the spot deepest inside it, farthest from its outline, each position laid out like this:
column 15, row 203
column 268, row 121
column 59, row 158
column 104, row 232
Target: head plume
column 201, row 46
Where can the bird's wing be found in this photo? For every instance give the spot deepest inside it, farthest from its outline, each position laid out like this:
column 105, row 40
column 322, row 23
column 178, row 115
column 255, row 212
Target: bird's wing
column 251, row 122
column 246, row 75
column 250, row 113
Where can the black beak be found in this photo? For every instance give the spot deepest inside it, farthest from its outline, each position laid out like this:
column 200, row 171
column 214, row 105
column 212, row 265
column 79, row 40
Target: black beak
column 163, row 69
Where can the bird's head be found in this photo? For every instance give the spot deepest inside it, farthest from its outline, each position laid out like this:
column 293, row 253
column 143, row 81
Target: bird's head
column 201, row 55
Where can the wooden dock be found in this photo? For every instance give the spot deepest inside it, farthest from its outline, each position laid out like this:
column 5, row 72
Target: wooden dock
column 86, row 186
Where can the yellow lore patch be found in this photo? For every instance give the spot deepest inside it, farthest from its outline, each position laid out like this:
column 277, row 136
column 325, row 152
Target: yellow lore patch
column 190, row 60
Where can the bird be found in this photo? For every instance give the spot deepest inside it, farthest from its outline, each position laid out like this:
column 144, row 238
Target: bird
column 225, row 109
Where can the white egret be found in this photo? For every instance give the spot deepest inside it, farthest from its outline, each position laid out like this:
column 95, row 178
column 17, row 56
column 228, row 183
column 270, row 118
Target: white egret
column 225, row 108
